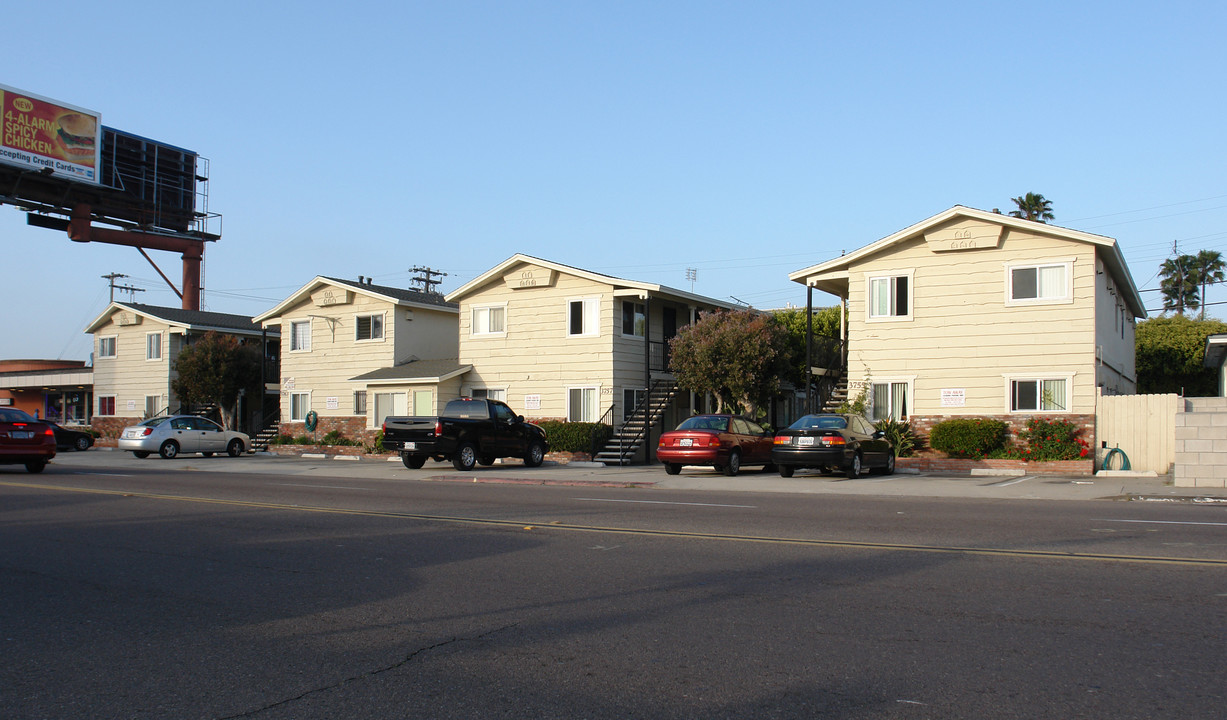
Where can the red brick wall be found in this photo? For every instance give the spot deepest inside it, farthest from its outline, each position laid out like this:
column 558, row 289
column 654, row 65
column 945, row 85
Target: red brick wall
column 352, row 427
column 922, row 424
column 954, row 466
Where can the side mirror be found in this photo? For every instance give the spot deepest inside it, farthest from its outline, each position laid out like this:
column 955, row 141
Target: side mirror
column 519, row 418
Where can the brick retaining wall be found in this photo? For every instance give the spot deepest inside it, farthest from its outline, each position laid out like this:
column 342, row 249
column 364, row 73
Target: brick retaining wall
column 955, row 466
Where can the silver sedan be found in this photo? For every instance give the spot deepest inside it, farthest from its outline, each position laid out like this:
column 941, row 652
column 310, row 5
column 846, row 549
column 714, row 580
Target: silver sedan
column 169, row 436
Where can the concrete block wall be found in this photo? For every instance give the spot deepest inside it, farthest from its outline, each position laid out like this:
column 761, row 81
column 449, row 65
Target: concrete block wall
column 1201, row 444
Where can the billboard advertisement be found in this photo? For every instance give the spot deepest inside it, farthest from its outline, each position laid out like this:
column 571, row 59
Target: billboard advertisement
column 39, row 133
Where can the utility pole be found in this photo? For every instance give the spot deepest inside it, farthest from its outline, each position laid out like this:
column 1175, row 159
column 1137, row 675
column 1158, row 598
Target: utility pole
column 426, row 279
column 692, row 274
column 132, row 291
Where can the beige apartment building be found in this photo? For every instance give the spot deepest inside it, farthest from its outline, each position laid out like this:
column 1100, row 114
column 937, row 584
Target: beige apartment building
column 973, row 313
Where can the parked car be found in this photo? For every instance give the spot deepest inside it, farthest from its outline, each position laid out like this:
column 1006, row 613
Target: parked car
column 170, row 436
column 470, row 431
column 69, row 439
column 846, row 443
column 725, row 442
column 25, row 441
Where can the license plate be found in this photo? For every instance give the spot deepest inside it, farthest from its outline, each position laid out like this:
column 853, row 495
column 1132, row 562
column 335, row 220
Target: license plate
column 685, row 442
column 411, row 446
column 129, row 433
column 805, row 441
column 21, row 434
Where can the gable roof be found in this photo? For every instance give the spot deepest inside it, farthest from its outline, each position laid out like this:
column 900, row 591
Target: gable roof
column 501, row 269
column 1110, row 251
column 194, row 320
column 396, row 296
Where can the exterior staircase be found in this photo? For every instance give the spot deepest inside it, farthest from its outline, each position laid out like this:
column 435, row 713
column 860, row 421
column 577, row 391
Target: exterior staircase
column 838, row 396
column 627, row 440
column 260, row 441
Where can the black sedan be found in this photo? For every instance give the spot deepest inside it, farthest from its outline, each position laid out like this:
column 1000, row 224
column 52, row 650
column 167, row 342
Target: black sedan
column 846, row 443
column 66, row 439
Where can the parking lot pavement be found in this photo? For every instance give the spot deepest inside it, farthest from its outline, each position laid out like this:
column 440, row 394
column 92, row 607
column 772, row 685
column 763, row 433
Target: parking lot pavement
column 1030, row 487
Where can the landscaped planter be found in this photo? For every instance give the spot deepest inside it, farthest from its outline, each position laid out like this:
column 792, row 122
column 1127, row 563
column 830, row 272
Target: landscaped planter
column 964, row 467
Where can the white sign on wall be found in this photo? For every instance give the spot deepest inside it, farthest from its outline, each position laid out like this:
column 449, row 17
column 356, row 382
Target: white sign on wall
column 532, row 402
column 330, row 403
column 954, row 397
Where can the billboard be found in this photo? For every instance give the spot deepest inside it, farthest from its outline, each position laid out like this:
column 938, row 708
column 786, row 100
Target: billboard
column 48, row 135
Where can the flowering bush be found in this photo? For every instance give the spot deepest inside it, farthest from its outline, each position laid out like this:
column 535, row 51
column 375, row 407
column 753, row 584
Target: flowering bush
column 1046, row 439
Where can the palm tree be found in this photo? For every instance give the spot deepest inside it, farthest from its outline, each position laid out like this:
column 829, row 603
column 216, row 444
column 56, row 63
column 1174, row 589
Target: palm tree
column 1179, row 284
column 1209, row 266
column 1033, row 206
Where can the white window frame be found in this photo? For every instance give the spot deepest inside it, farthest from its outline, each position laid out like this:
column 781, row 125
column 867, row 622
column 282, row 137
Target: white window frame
column 306, row 348
column 481, row 328
column 590, row 317
column 114, row 405
column 371, row 318
column 303, row 416
column 640, row 328
column 149, row 346
column 910, row 400
column 1010, row 380
column 490, row 393
column 102, row 342
column 1066, row 295
column 390, row 397
column 890, row 276
column 596, row 403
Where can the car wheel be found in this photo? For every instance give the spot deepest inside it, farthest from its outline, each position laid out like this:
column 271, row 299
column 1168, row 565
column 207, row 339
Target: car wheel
column 465, row 458
column 413, row 462
column 536, row 454
column 487, row 460
column 207, row 454
column 141, row 454
column 36, row 466
column 235, row 448
column 854, row 467
column 786, row 470
column 734, row 465
column 673, row 468
column 889, row 467
column 169, row 449
column 82, row 444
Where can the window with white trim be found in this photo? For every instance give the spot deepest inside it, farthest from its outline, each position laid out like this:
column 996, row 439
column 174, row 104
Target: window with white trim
column 153, row 405
column 396, row 403
column 153, row 346
column 300, row 405
column 368, row 327
column 634, row 318
column 1039, row 283
column 582, row 404
column 890, row 297
column 489, row 320
column 1039, row 395
column 490, row 393
column 889, row 400
column 300, row 336
column 423, row 402
column 582, row 317
column 107, row 345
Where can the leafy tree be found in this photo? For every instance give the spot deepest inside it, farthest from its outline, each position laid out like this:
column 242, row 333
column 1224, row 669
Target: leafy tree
column 826, row 333
column 739, row 356
column 1209, row 267
column 1033, row 206
column 1170, row 356
column 1178, row 282
column 214, row 369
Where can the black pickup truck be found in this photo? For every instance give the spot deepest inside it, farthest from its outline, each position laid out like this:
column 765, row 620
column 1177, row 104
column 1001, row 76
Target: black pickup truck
column 470, row 431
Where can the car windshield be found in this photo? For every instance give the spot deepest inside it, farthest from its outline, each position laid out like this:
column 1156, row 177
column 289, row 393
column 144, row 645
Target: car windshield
column 154, row 422
column 705, row 422
column 14, row 415
column 820, row 422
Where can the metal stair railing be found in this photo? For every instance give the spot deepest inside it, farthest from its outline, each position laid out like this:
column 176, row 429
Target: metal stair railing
column 630, row 436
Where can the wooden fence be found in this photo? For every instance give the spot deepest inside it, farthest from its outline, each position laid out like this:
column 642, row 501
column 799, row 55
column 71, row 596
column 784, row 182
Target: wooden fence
column 1142, row 426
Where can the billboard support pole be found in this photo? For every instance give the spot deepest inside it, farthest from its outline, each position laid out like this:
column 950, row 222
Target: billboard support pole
column 192, row 250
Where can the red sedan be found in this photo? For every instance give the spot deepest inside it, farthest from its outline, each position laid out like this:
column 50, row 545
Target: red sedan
column 25, row 441
column 725, row 442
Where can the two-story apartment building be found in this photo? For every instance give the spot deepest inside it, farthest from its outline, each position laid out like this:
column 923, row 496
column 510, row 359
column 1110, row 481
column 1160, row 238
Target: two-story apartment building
column 559, row 342
column 976, row 313
column 135, row 348
column 353, row 352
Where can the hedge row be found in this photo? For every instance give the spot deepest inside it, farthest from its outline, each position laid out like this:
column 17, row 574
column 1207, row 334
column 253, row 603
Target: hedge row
column 575, row 436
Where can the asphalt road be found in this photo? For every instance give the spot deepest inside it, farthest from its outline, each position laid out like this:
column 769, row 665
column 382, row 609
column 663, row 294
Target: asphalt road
column 225, row 588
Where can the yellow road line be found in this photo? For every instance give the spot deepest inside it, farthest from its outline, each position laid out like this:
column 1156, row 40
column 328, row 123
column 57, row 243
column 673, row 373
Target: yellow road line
column 537, row 525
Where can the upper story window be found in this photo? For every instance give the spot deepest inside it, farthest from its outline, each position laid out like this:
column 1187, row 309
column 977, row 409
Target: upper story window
column 890, row 297
column 107, row 346
column 491, row 320
column 582, row 317
column 369, row 327
column 1039, row 283
column 300, row 336
column 634, row 319
column 153, row 346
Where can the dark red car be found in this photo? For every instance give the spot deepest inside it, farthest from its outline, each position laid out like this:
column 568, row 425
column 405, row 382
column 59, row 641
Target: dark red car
column 725, row 442
column 25, row 441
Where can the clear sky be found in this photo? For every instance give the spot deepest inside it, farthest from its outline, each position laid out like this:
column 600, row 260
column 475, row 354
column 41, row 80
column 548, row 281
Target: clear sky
column 638, row 139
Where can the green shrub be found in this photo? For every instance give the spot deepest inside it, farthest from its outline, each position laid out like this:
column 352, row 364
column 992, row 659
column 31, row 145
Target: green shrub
column 303, row 440
column 282, row 440
column 968, row 437
column 377, row 445
column 900, row 435
column 334, row 437
column 575, row 436
column 1048, row 439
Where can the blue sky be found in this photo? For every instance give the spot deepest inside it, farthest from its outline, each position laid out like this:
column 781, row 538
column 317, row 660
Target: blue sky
column 639, row 139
